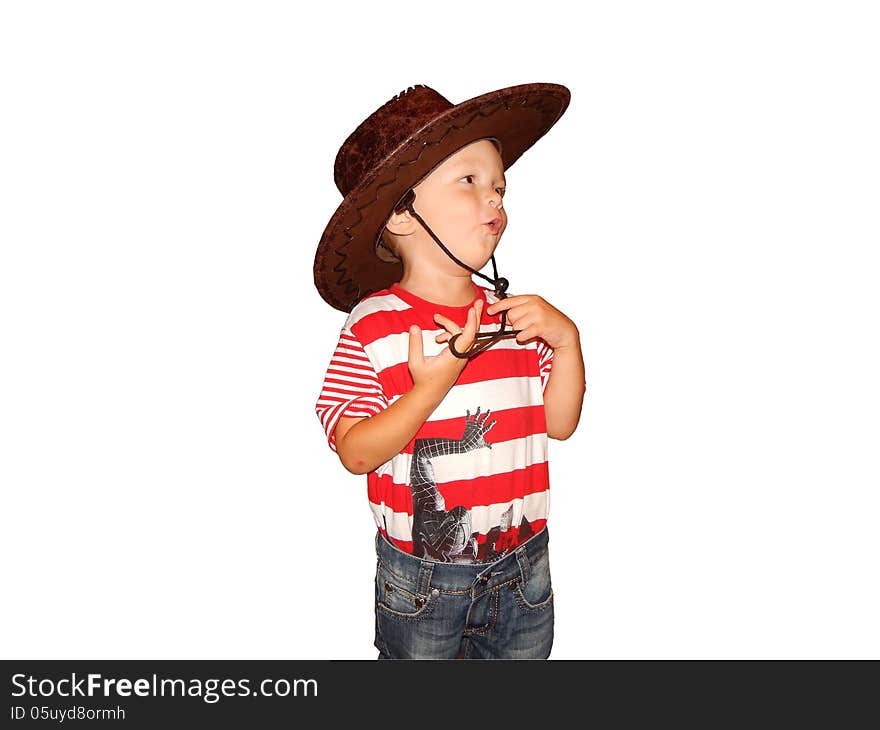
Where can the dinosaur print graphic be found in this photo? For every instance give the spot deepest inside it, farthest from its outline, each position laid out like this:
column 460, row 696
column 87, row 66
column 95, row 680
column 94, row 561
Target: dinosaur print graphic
column 438, row 534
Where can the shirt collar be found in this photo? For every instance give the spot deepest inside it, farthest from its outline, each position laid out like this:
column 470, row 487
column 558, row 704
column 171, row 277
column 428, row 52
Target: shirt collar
column 423, row 305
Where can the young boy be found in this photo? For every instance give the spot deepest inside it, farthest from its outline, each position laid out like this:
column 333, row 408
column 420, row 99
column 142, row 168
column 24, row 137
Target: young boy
column 442, row 391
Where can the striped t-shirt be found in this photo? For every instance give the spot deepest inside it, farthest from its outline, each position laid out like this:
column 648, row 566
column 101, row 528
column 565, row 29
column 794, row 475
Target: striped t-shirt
column 473, row 482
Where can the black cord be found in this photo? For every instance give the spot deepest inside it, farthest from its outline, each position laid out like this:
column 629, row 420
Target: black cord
column 499, row 283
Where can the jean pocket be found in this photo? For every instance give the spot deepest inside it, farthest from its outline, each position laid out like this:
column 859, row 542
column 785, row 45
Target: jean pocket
column 399, row 598
column 537, row 593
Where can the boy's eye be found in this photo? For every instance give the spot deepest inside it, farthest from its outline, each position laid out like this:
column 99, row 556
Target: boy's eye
column 500, row 190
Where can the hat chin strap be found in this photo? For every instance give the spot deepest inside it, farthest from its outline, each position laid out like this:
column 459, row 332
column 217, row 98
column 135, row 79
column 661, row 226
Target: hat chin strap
column 499, row 283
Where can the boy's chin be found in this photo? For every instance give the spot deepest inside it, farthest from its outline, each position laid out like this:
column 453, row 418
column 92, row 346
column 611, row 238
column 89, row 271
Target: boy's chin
column 479, row 257
column 478, row 262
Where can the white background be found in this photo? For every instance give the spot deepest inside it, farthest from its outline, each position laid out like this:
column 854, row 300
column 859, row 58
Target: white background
column 706, row 211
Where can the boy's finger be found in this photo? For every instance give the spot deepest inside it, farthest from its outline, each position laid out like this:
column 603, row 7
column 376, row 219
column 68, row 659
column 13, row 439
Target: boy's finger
column 476, row 309
column 506, row 303
column 470, row 328
column 447, row 323
column 415, row 344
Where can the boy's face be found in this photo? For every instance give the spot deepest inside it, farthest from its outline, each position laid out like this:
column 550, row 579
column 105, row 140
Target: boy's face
column 457, row 200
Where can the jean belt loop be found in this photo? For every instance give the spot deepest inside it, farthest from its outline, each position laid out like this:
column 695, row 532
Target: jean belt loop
column 525, row 567
column 424, row 579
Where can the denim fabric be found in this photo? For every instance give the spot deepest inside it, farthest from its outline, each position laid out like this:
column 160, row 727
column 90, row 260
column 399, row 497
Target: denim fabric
column 433, row 610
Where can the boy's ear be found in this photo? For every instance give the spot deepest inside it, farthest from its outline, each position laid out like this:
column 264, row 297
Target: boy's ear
column 399, row 222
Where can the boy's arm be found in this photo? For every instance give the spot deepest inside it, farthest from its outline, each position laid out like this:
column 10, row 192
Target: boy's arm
column 564, row 394
column 534, row 316
column 364, row 444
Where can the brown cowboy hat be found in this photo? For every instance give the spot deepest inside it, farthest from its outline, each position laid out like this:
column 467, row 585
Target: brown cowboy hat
column 396, row 147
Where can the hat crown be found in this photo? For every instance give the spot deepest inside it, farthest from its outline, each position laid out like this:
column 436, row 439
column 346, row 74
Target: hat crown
column 384, row 131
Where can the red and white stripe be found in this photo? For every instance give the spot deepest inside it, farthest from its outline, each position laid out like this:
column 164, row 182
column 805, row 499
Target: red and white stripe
column 369, row 371
column 351, row 387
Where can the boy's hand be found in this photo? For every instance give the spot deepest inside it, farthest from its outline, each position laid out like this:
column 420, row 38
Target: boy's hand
column 442, row 370
column 537, row 318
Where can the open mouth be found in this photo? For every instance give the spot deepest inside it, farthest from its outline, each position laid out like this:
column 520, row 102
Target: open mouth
column 494, row 225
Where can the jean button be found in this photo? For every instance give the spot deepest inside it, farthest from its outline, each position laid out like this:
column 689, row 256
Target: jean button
column 435, row 592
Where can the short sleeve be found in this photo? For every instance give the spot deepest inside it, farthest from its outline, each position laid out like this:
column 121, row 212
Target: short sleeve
column 545, row 362
column 351, row 386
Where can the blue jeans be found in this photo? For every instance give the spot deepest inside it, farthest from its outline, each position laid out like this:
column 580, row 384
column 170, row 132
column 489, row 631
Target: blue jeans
column 432, row 610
